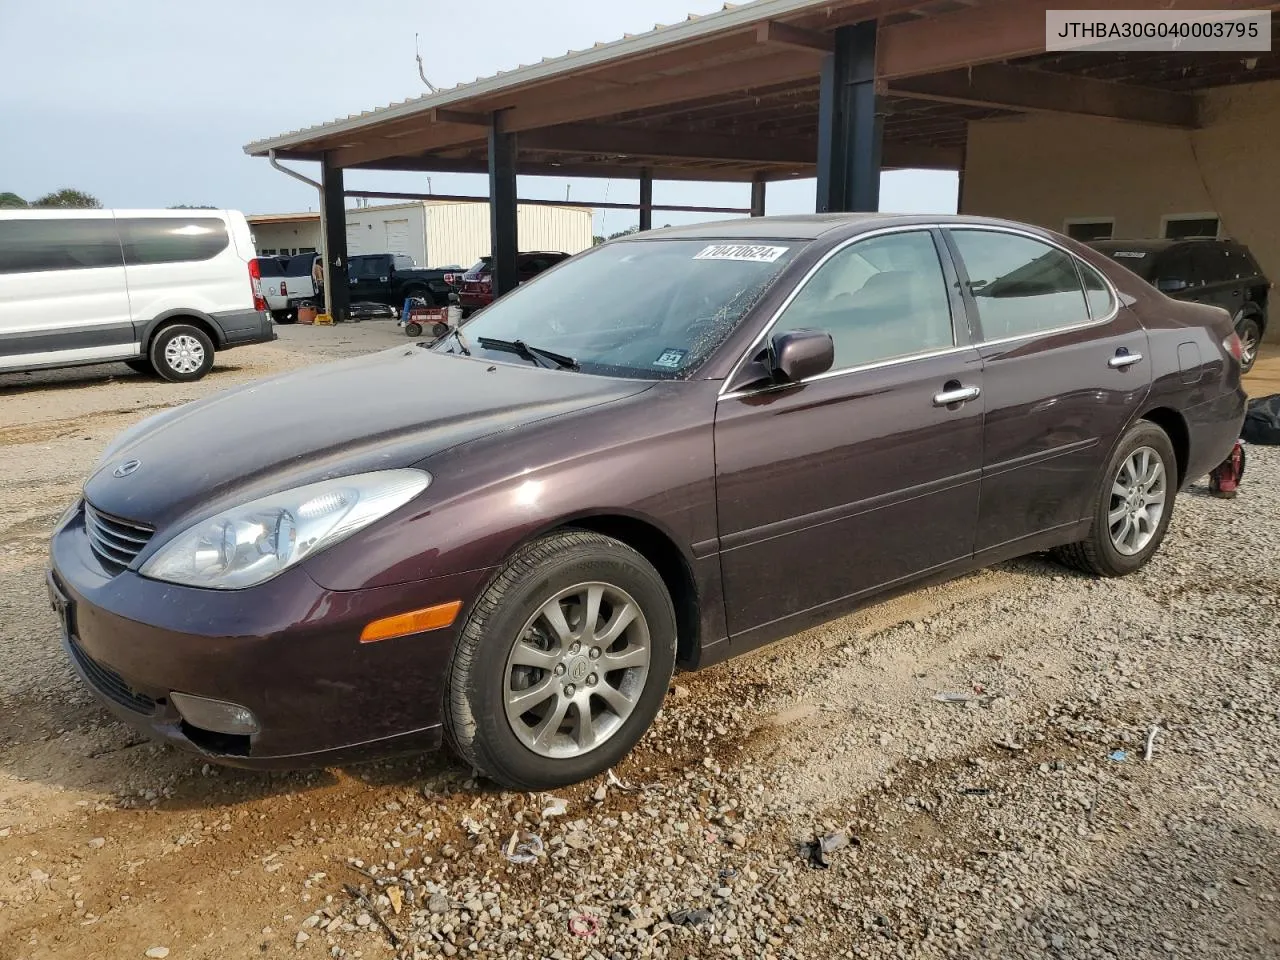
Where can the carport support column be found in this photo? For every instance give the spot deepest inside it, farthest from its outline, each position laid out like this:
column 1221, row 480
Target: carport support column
column 333, row 217
column 757, row 197
column 849, row 132
column 502, row 207
column 646, row 199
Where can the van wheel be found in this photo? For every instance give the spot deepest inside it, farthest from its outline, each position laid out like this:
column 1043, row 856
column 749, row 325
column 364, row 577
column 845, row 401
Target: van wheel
column 141, row 365
column 1132, row 508
column 562, row 664
column 181, row 353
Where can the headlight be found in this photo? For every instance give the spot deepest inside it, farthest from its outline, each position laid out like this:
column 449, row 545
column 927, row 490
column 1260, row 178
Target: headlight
column 249, row 544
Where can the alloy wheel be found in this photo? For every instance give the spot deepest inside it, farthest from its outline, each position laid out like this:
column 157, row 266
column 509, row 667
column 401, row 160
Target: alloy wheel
column 577, row 670
column 1137, row 501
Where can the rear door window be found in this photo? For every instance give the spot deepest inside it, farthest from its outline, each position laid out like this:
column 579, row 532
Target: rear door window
column 153, row 240
column 1021, row 286
column 34, row 246
column 1215, row 263
column 1176, row 271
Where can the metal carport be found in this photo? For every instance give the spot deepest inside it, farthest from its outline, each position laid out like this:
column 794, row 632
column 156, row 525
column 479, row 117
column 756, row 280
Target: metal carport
column 765, row 91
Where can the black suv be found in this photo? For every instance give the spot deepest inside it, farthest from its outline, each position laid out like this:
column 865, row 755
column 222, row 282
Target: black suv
column 1219, row 272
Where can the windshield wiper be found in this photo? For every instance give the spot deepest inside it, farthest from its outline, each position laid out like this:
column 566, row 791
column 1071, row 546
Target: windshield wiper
column 532, row 354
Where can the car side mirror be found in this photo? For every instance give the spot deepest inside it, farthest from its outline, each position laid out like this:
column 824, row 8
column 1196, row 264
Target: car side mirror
column 1170, row 285
column 799, row 354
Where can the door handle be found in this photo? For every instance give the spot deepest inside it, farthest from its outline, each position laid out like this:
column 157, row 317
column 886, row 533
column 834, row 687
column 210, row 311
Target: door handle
column 1123, row 359
column 958, row 395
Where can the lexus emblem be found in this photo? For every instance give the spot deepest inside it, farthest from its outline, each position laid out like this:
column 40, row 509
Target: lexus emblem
column 126, row 468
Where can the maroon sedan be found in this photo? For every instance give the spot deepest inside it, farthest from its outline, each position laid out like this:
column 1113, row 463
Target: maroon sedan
column 475, row 287
column 675, row 448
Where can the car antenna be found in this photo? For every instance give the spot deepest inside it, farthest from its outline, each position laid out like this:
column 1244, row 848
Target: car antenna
column 421, row 72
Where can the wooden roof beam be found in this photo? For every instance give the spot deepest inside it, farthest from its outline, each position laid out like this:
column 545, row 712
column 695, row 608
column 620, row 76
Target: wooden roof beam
column 659, row 142
column 785, row 35
column 1038, row 91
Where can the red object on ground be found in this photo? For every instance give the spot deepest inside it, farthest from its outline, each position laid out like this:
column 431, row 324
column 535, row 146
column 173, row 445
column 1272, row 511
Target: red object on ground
column 1224, row 480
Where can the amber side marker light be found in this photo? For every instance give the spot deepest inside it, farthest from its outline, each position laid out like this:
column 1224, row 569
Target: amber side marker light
column 415, row 621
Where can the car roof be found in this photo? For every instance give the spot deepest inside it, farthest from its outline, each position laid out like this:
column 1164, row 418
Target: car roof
column 812, row 226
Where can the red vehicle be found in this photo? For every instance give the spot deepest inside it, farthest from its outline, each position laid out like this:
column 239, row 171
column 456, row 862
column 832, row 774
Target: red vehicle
column 475, row 290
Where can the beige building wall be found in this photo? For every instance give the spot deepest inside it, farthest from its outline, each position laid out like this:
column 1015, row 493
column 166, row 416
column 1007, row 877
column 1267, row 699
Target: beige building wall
column 1048, row 168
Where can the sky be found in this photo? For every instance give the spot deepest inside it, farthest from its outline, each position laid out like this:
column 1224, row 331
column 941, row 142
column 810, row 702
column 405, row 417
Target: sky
column 149, row 103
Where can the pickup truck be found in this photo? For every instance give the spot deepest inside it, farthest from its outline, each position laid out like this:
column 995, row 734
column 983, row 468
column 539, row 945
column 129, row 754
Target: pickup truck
column 286, row 281
column 390, row 278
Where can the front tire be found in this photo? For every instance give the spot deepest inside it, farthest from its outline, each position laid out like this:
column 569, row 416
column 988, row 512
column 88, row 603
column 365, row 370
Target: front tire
column 181, row 353
column 1250, row 332
column 1133, row 505
column 562, row 664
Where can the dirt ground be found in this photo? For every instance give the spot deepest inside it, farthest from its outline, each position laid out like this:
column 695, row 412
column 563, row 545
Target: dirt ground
column 998, row 821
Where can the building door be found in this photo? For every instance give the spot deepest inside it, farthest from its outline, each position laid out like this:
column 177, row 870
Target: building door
column 396, row 236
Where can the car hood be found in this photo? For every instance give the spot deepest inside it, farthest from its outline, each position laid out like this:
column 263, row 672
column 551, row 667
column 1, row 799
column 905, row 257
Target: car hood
column 376, row 412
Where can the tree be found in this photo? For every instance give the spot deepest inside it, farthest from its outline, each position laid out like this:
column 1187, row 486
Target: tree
column 66, row 197
column 11, row 201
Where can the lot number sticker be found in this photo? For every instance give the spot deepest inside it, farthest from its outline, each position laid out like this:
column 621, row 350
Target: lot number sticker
column 752, row 253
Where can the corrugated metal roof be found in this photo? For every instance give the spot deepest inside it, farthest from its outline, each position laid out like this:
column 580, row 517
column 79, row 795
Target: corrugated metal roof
column 730, row 17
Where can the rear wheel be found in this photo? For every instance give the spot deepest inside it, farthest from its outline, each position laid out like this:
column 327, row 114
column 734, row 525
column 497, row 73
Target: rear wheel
column 1250, row 333
column 1132, row 508
column 563, row 663
column 413, row 329
column 181, row 353
column 284, row 316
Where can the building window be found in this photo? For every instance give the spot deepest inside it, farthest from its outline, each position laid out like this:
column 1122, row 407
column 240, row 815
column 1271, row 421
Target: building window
column 306, row 249
column 1183, row 225
column 267, row 252
column 1085, row 229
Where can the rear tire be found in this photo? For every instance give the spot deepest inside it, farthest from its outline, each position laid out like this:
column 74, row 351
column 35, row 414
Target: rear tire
column 284, row 316
column 590, row 674
column 1141, row 474
column 181, row 353
column 1250, row 332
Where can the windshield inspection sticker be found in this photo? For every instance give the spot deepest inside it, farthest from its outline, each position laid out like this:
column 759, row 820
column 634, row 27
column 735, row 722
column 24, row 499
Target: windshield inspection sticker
column 752, row 253
column 670, row 358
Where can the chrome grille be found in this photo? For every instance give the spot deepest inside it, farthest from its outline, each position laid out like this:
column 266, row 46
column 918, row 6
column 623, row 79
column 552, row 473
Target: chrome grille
column 115, row 542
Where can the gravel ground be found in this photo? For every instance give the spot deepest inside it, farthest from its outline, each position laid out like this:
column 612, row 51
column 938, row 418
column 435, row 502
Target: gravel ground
column 1019, row 815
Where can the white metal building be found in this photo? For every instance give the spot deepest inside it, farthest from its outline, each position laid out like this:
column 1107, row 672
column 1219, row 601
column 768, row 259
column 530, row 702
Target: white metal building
column 284, row 233
column 438, row 233
column 435, row 233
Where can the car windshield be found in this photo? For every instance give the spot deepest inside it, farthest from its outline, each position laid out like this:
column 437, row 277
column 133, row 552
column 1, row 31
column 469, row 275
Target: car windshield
column 654, row 309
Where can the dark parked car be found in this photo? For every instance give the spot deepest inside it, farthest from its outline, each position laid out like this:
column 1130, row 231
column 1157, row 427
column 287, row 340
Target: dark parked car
column 1220, row 272
column 390, row 278
column 475, row 288
column 673, row 449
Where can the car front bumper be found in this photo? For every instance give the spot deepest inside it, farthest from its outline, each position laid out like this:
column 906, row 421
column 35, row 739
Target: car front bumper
column 288, row 650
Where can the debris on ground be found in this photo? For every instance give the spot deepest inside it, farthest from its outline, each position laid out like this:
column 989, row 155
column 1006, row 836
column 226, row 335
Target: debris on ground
column 689, row 917
column 820, row 847
column 523, row 847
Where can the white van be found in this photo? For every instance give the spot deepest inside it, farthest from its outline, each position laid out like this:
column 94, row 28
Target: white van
column 158, row 289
